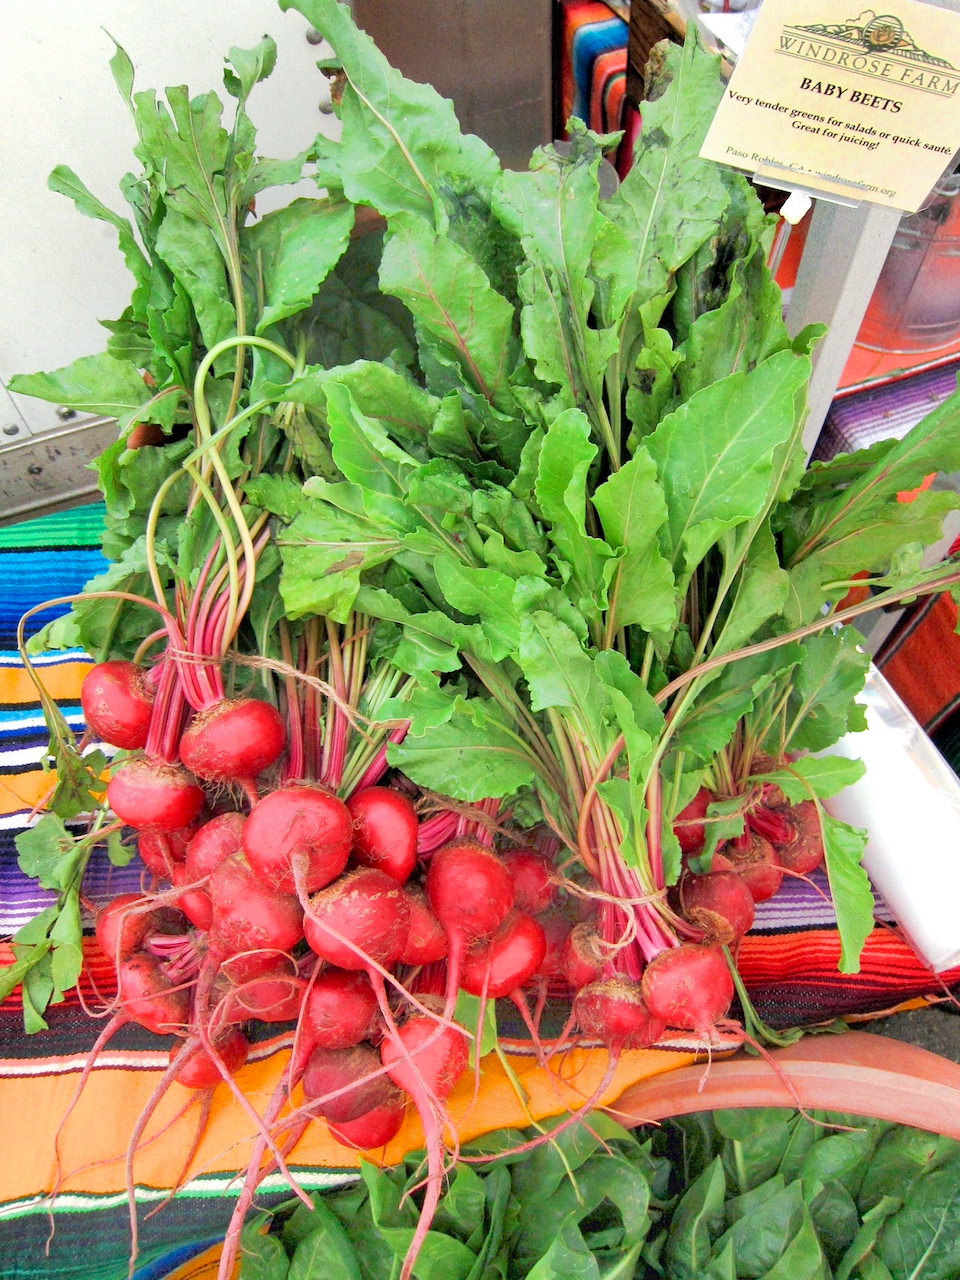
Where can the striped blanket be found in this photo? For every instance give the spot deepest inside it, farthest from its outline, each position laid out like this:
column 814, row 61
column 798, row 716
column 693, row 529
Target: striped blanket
column 593, row 64
column 788, row 962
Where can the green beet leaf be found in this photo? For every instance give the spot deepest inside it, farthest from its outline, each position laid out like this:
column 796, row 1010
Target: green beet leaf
column 565, row 457
column 293, row 250
column 715, row 454
column 632, row 509
column 262, row 1256
column 852, row 896
column 922, row 1240
column 326, row 1252
column 64, row 181
column 822, row 707
column 697, row 1221
column 401, row 142
column 901, row 1157
column 453, row 299
column 92, row 384
column 824, row 776
column 473, row 755
column 669, row 203
column 190, row 250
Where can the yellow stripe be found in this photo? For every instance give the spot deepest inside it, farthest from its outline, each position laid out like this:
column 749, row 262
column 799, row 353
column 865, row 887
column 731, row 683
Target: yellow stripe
column 61, row 681
column 99, row 1128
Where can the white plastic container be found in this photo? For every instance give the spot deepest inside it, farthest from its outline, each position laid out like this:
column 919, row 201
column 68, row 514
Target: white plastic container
column 909, row 803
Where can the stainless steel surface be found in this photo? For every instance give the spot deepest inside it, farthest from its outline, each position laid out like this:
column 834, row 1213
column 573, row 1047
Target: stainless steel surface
column 494, row 58
column 46, row 473
column 845, row 251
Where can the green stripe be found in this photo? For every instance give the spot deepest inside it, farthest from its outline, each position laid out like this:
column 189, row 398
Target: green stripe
column 78, row 527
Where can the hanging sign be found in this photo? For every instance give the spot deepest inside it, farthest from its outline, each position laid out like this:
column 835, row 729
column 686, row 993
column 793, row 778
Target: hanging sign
column 863, row 105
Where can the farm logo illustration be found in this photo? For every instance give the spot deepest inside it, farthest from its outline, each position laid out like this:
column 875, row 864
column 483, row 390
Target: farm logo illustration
column 876, row 45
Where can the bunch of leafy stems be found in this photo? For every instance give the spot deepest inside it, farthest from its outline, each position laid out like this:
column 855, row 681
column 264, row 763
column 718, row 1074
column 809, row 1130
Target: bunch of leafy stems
column 650, row 923
column 572, row 768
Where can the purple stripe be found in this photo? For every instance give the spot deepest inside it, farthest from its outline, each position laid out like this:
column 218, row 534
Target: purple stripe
column 21, row 898
column 879, row 413
column 799, row 905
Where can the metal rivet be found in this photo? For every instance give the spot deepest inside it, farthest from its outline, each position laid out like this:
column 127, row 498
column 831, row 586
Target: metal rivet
column 65, row 414
column 35, row 469
column 314, row 36
column 11, row 429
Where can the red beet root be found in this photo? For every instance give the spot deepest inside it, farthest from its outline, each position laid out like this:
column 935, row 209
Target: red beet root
column 614, row 1012
column 249, row 965
column 720, row 904
column 556, row 931
column 686, row 827
column 234, row 741
column 148, row 997
column 532, row 874
column 117, row 701
column 195, row 904
column 426, row 941
column 469, row 888
column 119, row 931
column 161, row 849
column 216, row 840
column 329, row 1070
column 753, row 859
column 438, row 1066
column 275, row 997
column 804, row 853
column 385, row 831
column 298, row 821
column 247, row 914
column 201, row 1072
column 582, row 957
column 506, row 961
column 373, row 1129
column 341, row 1009
column 150, row 793
column 368, row 908
column 689, row 987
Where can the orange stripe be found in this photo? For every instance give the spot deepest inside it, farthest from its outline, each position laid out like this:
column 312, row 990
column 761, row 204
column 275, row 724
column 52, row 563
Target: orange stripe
column 61, row 681
column 203, row 1267
column 100, row 1125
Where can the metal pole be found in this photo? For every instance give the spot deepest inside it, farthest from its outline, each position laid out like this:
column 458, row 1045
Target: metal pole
column 845, row 251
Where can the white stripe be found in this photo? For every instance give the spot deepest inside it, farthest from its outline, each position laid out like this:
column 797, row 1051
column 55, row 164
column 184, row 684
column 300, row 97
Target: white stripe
column 200, row 1188
column 35, row 755
column 35, row 720
column 51, row 658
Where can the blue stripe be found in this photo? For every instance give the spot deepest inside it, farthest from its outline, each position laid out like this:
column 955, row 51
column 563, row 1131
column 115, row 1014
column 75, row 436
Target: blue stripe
column 174, row 1258
column 29, row 578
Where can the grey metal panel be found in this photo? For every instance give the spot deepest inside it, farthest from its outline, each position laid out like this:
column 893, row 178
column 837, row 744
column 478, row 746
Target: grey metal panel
column 492, row 57
column 845, row 251
column 47, row 472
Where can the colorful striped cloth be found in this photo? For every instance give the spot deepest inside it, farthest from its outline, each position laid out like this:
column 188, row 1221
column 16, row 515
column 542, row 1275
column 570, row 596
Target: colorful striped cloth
column 788, row 961
column 861, row 418
column 593, row 72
